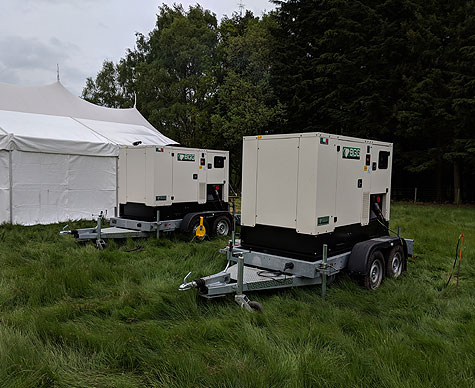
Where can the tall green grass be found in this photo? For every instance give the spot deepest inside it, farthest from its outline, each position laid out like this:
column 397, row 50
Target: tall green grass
column 73, row 316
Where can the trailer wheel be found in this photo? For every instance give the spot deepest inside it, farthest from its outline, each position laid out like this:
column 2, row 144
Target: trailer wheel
column 375, row 271
column 256, row 306
column 395, row 262
column 222, row 226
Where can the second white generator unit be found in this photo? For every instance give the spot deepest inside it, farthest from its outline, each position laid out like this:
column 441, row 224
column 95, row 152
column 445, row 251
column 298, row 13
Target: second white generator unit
column 164, row 189
column 302, row 190
column 174, row 180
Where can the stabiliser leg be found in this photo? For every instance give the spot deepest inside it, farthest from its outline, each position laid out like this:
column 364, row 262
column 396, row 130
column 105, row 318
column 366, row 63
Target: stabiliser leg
column 241, row 299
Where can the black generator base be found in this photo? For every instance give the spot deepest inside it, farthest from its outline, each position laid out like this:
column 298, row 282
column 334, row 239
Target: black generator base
column 287, row 242
column 139, row 211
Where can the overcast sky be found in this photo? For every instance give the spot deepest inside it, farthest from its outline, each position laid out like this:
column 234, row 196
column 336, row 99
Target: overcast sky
column 35, row 35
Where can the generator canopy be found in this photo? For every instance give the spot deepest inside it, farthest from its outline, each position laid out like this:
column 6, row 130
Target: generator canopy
column 58, row 153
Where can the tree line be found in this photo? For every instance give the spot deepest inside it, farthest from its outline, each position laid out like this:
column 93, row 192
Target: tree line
column 399, row 71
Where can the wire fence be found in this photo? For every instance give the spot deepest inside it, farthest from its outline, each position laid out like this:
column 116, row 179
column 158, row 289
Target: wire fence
column 423, row 194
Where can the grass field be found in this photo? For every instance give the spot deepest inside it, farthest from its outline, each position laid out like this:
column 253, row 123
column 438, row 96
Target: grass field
column 73, row 316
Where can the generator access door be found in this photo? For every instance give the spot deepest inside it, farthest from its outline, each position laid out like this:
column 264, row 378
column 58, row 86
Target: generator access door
column 185, row 175
column 349, row 189
column 276, row 182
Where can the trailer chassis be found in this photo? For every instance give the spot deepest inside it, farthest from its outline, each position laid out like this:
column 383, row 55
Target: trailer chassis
column 122, row 228
column 248, row 270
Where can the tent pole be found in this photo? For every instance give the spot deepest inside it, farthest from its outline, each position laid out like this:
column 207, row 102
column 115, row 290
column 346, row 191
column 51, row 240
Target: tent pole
column 10, row 178
column 117, row 185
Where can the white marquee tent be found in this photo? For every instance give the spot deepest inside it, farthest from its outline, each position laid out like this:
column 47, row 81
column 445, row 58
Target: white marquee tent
column 58, row 153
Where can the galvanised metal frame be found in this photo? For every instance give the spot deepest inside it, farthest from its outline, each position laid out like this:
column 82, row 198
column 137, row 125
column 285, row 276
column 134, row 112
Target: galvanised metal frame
column 124, row 228
column 146, row 226
column 264, row 271
column 88, row 234
column 248, row 270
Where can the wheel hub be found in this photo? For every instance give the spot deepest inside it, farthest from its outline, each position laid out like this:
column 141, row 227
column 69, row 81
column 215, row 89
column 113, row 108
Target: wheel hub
column 396, row 264
column 376, row 274
column 222, row 228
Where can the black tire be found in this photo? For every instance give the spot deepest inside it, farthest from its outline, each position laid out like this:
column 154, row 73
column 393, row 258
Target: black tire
column 396, row 262
column 195, row 222
column 222, row 226
column 256, row 306
column 374, row 275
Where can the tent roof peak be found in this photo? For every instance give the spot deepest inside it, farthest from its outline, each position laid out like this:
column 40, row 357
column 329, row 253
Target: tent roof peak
column 54, row 99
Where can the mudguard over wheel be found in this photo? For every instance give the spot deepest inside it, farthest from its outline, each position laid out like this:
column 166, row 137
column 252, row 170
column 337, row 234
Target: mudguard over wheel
column 374, row 275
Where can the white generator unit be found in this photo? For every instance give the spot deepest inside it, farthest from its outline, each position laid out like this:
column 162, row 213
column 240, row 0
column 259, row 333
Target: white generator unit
column 313, row 205
column 302, row 190
column 164, row 189
column 171, row 177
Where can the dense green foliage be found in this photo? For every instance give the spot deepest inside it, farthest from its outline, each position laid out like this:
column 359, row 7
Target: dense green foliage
column 399, row 70
column 201, row 84
column 73, row 316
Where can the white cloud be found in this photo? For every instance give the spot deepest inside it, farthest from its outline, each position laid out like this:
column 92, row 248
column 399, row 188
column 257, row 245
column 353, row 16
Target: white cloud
column 8, row 75
column 29, row 53
column 79, row 35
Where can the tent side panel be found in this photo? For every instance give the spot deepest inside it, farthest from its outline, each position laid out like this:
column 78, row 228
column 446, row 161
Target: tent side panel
column 92, row 186
column 49, row 188
column 40, row 185
column 4, row 187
